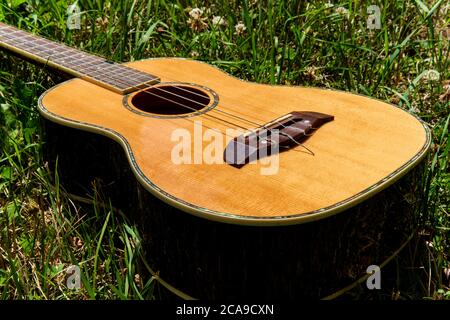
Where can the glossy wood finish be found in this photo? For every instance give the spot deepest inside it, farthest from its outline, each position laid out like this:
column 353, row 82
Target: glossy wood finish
column 368, row 146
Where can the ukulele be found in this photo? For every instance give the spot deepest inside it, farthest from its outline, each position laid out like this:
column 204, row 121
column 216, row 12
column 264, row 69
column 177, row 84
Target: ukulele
column 222, row 153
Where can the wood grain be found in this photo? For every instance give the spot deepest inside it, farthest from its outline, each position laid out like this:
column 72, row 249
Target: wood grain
column 368, row 141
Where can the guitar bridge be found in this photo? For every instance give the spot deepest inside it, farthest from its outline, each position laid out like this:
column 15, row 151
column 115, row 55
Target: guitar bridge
column 278, row 135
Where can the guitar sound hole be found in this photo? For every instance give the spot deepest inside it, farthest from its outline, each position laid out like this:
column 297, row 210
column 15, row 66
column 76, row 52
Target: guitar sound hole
column 171, row 100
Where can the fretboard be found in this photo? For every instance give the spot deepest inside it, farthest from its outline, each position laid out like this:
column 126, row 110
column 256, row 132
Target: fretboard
column 111, row 75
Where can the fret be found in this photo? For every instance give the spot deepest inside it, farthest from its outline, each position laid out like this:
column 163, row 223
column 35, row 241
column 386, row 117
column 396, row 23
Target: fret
column 88, row 66
column 83, row 63
column 130, row 83
column 22, row 39
column 50, row 53
column 70, row 59
column 35, row 45
column 114, row 72
column 115, row 82
column 71, row 55
column 116, row 79
column 63, row 59
column 9, row 31
column 12, row 35
column 76, row 54
column 82, row 67
column 139, row 76
column 40, row 42
column 100, row 74
column 68, row 51
column 112, row 75
column 93, row 70
column 135, row 82
column 53, row 46
column 111, row 70
column 27, row 46
column 131, row 76
column 58, row 55
column 87, row 58
column 11, row 38
column 35, row 49
column 127, row 71
column 16, row 35
column 126, row 78
column 7, row 36
column 103, row 70
column 104, row 67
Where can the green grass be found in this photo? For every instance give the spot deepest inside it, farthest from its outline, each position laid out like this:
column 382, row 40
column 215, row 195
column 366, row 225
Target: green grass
column 43, row 231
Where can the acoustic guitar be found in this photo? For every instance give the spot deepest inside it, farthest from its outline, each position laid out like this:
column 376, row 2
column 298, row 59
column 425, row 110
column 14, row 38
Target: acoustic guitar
column 241, row 189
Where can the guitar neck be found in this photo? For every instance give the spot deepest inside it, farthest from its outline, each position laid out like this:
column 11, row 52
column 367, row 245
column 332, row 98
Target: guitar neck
column 111, row 75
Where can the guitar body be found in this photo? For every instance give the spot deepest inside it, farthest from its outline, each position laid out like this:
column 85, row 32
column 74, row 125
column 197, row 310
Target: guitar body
column 303, row 226
column 357, row 154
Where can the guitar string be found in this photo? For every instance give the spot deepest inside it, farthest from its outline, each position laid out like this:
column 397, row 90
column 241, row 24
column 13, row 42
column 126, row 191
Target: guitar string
column 144, row 90
column 195, row 110
column 287, row 186
column 120, row 80
column 179, row 86
column 245, row 104
column 42, row 48
column 29, row 48
column 90, row 63
column 38, row 46
column 292, row 188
